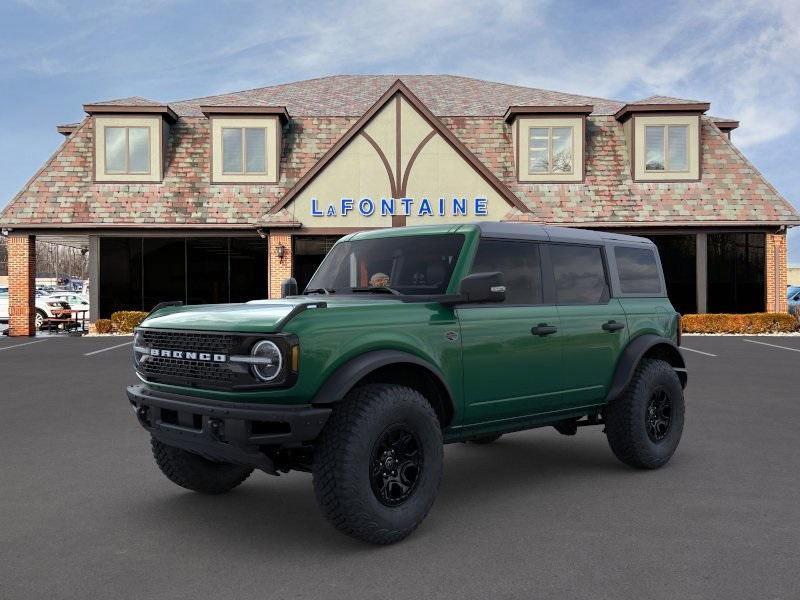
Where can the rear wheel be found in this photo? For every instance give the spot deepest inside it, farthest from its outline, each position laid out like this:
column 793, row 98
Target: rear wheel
column 644, row 425
column 193, row 472
column 378, row 463
column 39, row 318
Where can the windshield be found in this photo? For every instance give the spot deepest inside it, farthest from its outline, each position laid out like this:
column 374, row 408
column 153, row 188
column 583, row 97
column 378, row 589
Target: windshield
column 409, row 265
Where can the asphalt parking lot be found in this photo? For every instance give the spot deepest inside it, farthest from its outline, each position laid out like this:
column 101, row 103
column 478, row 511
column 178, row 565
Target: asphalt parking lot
column 84, row 513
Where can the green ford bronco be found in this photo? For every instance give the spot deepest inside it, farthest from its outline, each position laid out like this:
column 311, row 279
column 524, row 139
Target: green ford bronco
column 406, row 339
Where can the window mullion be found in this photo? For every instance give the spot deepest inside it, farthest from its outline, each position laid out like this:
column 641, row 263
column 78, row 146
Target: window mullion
column 127, row 151
column 244, row 151
column 666, row 148
column 549, row 150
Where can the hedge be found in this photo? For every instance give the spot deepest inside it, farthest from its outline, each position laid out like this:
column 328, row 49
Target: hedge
column 124, row 321
column 103, row 326
column 748, row 324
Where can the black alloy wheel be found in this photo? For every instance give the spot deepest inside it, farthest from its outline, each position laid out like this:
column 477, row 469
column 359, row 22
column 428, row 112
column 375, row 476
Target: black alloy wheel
column 396, row 465
column 659, row 415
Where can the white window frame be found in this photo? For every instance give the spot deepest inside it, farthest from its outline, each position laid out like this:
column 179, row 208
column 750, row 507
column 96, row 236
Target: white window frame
column 243, row 129
column 635, row 133
column 665, row 148
column 127, row 170
column 272, row 127
column 550, row 170
column 158, row 132
column 521, row 138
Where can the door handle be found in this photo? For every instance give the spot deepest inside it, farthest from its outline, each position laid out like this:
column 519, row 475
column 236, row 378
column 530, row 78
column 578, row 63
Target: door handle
column 543, row 329
column 612, row 326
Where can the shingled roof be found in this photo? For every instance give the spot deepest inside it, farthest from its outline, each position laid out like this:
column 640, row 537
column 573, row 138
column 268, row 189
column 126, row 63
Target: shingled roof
column 352, row 95
column 731, row 191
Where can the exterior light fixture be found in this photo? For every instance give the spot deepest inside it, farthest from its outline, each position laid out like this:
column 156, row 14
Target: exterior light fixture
column 280, row 251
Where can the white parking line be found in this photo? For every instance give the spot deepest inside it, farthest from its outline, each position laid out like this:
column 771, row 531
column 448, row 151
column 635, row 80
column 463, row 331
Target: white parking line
column 698, row 351
column 20, row 345
column 771, row 345
column 109, row 348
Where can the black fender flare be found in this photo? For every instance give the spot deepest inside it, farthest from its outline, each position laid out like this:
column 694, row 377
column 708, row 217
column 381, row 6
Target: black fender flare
column 354, row 370
column 633, row 354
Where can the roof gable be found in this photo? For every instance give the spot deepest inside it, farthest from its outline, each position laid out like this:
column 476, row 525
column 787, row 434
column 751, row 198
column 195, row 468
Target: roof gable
column 399, row 176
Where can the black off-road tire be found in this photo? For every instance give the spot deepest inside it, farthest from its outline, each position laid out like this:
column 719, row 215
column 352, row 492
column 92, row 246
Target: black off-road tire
column 627, row 417
column 347, row 452
column 486, row 439
column 196, row 473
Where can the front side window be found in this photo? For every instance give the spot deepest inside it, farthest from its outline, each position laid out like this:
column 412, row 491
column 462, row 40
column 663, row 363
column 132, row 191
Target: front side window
column 666, row 147
column 550, row 150
column 638, row 270
column 408, row 265
column 127, row 150
column 244, row 150
column 519, row 264
column 579, row 274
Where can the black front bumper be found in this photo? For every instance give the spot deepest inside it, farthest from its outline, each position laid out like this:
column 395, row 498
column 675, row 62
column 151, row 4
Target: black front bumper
column 226, row 431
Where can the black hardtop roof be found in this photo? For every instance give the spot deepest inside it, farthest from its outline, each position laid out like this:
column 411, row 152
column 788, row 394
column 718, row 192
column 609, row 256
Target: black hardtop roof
column 533, row 231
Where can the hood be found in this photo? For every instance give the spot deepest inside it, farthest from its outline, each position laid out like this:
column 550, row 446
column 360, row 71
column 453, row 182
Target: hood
column 258, row 316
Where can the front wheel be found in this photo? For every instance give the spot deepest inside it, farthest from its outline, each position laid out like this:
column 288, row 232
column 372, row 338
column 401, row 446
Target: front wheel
column 644, row 425
column 193, row 472
column 378, row 463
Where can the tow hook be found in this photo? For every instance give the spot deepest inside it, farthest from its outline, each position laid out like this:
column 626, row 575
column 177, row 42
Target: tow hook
column 215, row 426
column 142, row 415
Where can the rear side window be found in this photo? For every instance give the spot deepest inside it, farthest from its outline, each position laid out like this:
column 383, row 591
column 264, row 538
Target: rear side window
column 638, row 270
column 519, row 263
column 580, row 276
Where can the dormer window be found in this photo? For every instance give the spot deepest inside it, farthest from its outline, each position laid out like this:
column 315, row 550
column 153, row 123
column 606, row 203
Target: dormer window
column 245, row 143
column 666, row 148
column 548, row 142
column 129, row 140
column 244, row 150
column 127, row 150
column 550, row 150
column 663, row 138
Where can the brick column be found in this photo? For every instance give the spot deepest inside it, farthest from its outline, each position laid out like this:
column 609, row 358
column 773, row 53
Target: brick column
column 775, row 271
column 21, row 284
column 279, row 269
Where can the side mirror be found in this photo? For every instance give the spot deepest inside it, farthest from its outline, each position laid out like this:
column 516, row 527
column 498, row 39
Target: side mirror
column 289, row 287
column 482, row 287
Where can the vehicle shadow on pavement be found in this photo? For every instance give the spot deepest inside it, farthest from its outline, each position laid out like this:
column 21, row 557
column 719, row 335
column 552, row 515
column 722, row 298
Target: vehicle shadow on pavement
column 264, row 512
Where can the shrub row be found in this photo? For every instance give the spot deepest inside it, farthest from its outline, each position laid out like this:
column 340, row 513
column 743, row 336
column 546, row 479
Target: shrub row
column 122, row 321
column 749, row 323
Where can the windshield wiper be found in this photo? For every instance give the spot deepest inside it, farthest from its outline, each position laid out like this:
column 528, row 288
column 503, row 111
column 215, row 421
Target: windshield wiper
column 320, row 290
column 381, row 289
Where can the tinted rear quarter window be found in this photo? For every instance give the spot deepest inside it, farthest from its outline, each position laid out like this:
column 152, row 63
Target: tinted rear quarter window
column 638, row 270
column 579, row 274
column 519, row 263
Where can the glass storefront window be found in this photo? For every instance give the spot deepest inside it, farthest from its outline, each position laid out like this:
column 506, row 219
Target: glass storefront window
column 736, row 272
column 138, row 273
column 678, row 255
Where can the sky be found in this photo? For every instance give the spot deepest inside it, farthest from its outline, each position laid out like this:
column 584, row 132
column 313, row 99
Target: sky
column 739, row 55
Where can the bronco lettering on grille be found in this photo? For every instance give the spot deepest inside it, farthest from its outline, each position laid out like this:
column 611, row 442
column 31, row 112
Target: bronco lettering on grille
column 185, row 355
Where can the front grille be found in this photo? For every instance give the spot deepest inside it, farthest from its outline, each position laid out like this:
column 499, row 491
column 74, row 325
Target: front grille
column 189, row 340
column 200, row 372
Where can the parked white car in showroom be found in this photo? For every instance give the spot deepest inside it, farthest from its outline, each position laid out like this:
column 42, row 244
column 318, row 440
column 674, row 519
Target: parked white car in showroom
column 45, row 307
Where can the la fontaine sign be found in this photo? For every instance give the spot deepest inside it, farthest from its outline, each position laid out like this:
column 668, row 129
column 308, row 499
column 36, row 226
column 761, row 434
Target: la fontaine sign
column 408, row 207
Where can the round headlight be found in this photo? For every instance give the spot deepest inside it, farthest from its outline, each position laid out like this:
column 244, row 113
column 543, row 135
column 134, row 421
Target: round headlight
column 268, row 361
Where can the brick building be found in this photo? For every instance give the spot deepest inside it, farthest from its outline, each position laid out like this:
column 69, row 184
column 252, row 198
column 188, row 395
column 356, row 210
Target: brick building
column 220, row 198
